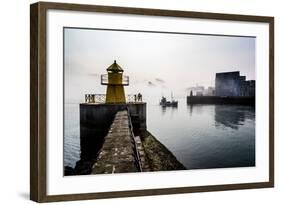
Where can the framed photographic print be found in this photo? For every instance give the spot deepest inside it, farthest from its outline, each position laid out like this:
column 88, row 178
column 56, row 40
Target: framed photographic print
column 134, row 102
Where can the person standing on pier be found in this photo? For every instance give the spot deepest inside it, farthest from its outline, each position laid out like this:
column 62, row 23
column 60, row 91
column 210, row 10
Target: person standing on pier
column 139, row 97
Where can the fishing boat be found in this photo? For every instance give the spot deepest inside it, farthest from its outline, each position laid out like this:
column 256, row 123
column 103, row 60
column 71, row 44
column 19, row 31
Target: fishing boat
column 165, row 103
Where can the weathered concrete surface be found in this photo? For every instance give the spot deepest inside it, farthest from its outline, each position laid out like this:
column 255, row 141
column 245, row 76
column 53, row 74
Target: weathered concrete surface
column 143, row 158
column 158, row 157
column 95, row 119
column 117, row 153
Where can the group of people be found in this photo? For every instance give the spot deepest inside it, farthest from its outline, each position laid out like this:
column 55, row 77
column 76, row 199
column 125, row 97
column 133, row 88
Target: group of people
column 138, row 97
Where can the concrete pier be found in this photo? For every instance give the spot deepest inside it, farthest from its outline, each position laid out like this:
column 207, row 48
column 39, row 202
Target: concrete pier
column 95, row 120
column 118, row 153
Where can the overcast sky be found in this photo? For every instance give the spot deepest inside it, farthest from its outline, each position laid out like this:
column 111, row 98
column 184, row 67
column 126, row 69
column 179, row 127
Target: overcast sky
column 156, row 63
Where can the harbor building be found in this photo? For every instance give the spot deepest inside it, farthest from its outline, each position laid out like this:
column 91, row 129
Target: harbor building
column 196, row 91
column 231, row 84
column 201, row 91
column 228, row 83
column 248, row 88
column 210, row 91
column 230, row 88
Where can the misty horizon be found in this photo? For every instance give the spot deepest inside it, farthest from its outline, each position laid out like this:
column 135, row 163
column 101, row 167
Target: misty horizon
column 157, row 64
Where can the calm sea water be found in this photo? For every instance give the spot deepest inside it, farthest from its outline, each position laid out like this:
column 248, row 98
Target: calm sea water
column 200, row 136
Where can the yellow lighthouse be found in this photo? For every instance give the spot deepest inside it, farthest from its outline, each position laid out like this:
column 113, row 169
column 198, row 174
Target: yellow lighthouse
column 115, row 82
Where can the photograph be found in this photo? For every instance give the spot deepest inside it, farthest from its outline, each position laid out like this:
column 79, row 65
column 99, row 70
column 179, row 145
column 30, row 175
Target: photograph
column 150, row 101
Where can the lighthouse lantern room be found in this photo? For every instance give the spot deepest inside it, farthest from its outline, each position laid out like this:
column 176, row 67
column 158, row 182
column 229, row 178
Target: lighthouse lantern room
column 115, row 81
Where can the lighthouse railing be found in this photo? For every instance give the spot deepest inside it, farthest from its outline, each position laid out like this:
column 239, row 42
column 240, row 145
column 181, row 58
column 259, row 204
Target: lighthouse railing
column 101, row 98
column 105, row 81
column 95, row 98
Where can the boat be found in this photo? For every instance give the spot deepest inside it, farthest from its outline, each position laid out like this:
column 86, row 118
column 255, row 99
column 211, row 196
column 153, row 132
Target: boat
column 165, row 103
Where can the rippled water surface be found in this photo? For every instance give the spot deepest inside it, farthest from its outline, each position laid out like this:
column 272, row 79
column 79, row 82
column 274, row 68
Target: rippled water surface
column 71, row 134
column 200, row 136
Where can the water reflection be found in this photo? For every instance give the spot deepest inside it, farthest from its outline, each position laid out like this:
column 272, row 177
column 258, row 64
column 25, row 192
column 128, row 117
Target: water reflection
column 232, row 116
column 190, row 110
column 226, row 117
column 166, row 109
column 197, row 109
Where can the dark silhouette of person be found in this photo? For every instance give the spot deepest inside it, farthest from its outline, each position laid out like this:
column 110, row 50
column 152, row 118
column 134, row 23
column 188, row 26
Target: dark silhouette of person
column 139, row 97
